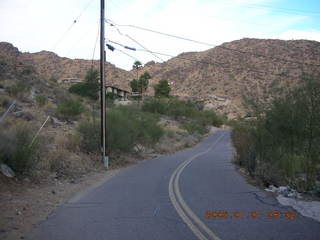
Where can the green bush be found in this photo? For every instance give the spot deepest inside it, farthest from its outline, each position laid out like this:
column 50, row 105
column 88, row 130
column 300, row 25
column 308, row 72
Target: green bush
column 27, row 70
column 19, row 89
column 41, row 100
column 194, row 126
column 155, row 105
column 126, row 128
column 110, row 98
column 69, row 109
column 53, row 80
column 89, row 132
column 89, row 88
column 209, row 117
column 162, row 89
column 193, row 119
column 282, row 145
column 179, row 109
column 15, row 150
column 171, row 107
column 242, row 138
column 85, row 89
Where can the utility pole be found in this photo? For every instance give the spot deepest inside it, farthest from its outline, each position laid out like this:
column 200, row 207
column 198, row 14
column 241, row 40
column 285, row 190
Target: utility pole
column 105, row 158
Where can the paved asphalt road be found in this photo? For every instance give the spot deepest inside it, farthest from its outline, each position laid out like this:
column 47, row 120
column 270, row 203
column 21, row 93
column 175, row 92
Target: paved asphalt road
column 169, row 198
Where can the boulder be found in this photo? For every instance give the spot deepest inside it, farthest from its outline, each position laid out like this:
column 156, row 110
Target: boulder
column 24, row 115
column 6, row 170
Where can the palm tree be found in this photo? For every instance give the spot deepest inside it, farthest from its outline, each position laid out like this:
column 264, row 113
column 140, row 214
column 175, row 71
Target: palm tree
column 136, row 66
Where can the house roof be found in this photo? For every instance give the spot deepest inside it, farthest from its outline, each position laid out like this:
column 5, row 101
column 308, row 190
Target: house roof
column 114, row 87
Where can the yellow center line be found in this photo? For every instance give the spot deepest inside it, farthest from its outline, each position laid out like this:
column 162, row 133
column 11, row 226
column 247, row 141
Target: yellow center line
column 181, row 206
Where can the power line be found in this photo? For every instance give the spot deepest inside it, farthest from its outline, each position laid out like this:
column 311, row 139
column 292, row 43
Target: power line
column 71, row 26
column 78, row 41
column 136, row 59
column 132, row 39
column 158, row 32
column 210, row 63
column 111, row 23
column 95, row 45
column 110, row 47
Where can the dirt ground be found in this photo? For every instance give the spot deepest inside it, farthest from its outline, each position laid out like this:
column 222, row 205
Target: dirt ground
column 25, row 204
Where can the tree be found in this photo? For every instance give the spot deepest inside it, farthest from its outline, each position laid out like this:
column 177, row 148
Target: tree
column 140, row 85
column 134, row 84
column 162, row 89
column 89, row 88
column 136, row 65
column 144, row 82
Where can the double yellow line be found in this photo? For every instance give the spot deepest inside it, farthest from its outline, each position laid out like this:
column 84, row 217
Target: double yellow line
column 188, row 216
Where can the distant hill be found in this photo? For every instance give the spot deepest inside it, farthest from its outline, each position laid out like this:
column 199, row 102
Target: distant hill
column 219, row 76
column 50, row 65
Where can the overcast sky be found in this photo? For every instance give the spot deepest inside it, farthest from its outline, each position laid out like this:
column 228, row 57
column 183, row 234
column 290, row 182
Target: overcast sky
column 35, row 25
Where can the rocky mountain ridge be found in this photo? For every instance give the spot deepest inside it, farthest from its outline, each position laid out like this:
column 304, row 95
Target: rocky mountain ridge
column 219, row 76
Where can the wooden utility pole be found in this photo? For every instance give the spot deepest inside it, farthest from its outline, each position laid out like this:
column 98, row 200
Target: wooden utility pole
column 105, row 158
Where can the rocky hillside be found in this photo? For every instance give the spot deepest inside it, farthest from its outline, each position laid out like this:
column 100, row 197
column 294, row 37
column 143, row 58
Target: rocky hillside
column 50, row 65
column 219, row 76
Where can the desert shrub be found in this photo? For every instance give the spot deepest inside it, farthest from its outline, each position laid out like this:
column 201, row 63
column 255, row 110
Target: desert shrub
column 41, row 100
column 110, row 98
column 281, row 146
column 90, row 87
column 178, row 109
column 162, row 89
column 128, row 126
column 53, row 80
column 3, row 62
column 171, row 107
column 27, row 70
column 89, row 132
column 85, row 89
column 194, row 126
column 209, row 117
column 19, row 89
column 5, row 101
column 136, row 98
column 15, row 149
column 170, row 133
column 155, row 105
column 242, row 138
column 189, row 113
column 70, row 109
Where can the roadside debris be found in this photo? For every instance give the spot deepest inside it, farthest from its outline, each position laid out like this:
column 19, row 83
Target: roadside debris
column 284, row 191
column 308, row 209
column 290, row 197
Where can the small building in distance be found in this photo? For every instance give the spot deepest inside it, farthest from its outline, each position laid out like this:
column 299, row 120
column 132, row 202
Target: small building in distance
column 69, row 81
column 120, row 93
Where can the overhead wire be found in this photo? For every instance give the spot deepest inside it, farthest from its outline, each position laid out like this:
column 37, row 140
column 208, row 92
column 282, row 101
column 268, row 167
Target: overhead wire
column 95, row 45
column 136, row 59
column 124, row 46
column 132, row 39
column 71, row 26
column 78, row 41
column 111, row 23
column 214, row 63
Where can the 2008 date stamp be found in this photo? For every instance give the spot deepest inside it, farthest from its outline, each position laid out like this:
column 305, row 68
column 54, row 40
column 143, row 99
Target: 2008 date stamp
column 256, row 214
